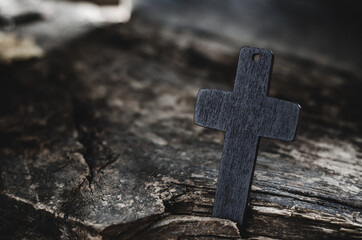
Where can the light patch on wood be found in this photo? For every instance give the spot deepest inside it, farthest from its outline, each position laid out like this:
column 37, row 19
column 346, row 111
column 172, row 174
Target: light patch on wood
column 341, row 159
column 14, row 48
column 180, row 219
column 310, row 214
column 124, row 204
column 155, row 138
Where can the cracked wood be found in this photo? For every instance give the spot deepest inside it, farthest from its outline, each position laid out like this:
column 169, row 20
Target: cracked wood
column 106, row 147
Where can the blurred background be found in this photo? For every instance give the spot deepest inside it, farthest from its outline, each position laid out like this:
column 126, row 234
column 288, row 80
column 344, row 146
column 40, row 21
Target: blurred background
column 96, row 116
column 326, row 31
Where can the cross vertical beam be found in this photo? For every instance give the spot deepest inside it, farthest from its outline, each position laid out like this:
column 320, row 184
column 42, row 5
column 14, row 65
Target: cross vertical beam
column 245, row 114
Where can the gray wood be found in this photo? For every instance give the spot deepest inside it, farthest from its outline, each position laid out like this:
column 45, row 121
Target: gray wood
column 245, row 114
column 106, row 147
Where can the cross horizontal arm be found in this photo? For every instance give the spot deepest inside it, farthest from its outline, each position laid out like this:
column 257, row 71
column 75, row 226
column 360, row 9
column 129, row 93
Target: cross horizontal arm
column 279, row 120
column 209, row 109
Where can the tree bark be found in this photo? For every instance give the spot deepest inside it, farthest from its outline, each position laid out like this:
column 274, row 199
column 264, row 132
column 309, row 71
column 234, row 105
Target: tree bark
column 98, row 142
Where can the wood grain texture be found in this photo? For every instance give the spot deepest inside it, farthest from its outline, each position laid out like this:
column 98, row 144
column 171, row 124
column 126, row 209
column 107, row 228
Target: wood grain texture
column 105, row 147
column 245, row 114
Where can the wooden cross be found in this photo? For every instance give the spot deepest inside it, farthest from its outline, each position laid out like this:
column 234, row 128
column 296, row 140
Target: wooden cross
column 246, row 114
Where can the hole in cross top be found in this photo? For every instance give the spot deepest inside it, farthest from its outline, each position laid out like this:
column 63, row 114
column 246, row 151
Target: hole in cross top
column 256, row 57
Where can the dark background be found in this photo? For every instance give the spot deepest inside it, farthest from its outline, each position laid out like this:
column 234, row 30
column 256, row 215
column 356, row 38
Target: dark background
column 329, row 32
column 97, row 136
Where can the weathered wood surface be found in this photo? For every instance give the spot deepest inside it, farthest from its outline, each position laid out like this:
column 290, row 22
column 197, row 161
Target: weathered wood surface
column 98, row 141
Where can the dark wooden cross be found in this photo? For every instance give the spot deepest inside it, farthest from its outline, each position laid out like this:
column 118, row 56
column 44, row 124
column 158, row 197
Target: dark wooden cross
column 246, row 114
